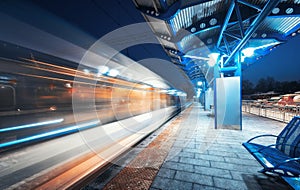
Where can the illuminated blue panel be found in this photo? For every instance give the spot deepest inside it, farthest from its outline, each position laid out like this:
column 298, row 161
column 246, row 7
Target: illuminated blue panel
column 227, row 103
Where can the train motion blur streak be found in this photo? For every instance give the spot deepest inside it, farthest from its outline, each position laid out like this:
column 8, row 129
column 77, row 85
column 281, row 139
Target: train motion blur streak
column 54, row 112
column 47, row 91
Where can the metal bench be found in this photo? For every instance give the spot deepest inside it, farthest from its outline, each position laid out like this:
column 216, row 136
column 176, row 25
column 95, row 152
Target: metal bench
column 283, row 157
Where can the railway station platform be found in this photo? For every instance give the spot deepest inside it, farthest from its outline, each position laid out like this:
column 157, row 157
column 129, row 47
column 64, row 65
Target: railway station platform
column 188, row 153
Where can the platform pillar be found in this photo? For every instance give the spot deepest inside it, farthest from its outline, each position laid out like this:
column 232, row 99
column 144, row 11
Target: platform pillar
column 228, row 103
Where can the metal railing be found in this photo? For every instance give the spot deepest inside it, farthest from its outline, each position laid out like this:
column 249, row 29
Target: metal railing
column 284, row 114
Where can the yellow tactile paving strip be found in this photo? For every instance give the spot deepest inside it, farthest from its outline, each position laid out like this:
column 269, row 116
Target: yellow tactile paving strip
column 141, row 171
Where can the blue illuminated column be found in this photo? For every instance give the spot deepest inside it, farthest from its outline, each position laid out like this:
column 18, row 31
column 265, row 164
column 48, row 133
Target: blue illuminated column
column 227, row 96
column 228, row 81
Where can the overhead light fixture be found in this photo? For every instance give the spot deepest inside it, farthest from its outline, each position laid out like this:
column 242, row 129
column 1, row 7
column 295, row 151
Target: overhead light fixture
column 213, row 21
column 113, row 73
column 199, row 83
column 102, row 69
column 248, row 52
column 68, row 85
column 86, row 71
column 213, row 58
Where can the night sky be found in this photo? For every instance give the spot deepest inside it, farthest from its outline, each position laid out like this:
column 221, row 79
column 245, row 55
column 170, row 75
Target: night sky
column 84, row 21
column 282, row 63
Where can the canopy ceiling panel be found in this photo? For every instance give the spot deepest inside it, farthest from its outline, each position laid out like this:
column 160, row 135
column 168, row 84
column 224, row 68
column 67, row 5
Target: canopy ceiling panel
column 191, row 30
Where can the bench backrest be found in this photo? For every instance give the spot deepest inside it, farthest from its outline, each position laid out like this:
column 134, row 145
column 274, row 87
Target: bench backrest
column 288, row 140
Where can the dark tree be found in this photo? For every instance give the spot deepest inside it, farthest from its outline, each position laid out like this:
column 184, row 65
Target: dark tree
column 270, row 84
column 261, row 86
column 290, row 87
column 278, row 87
column 247, row 87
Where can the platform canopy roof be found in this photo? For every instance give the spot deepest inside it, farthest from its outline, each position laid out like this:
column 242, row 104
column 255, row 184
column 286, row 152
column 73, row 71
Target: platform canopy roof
column 196, row 34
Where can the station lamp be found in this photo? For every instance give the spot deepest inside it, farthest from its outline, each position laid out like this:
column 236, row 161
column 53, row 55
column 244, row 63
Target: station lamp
column 103, row 69
column 248, row 52
column 199, row 83
column 86, row 71
column 113, row 73
column 213, row 58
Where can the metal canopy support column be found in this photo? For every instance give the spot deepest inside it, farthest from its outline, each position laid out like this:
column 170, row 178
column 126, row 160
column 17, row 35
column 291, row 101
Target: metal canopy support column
column 271, row 4
column 227, row 92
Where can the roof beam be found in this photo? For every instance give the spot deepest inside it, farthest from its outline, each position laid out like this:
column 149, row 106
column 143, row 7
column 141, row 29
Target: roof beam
column 240, row 20
column 232, row 35
column 249, row 5
column 226, row 21
column 270, row 5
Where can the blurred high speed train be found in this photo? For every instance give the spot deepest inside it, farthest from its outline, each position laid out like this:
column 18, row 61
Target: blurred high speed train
column 56, row 114
column 34, row 85
column 30, row 82
column 35, row 88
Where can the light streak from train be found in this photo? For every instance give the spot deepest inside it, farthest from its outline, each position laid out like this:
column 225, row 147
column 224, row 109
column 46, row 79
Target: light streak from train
column 54, row 133
column 100, row 76
column 143, row 117
column 55, row 121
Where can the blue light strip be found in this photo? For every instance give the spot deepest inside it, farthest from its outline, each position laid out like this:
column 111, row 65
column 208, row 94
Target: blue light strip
column 32, row 125
column 59, row 132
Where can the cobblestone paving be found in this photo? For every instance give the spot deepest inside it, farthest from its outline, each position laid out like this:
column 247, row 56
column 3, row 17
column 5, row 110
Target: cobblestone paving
column 206, row 158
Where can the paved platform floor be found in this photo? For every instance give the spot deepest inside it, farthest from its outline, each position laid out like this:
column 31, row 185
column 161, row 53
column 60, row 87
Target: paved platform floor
column 188, row 153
